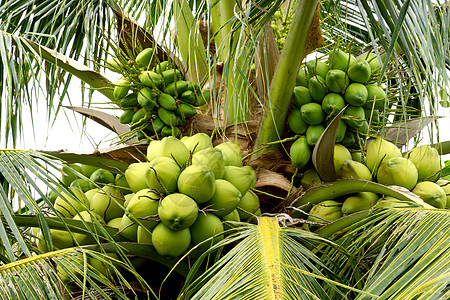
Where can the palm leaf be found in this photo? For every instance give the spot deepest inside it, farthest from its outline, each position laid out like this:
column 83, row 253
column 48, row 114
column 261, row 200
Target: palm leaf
column 397, row 253
column 55, row 274
column 269, row 262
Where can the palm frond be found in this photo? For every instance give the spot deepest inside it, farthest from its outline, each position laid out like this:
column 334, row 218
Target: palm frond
column 54, row 275
column 269, row 262
column 30, row 175
column 397, row 253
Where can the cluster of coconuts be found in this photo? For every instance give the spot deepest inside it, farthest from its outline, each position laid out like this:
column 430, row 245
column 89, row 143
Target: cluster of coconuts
column 417, row 170
column 190, row 188
column 155, row 100
column 323, row 89
column 177, row 199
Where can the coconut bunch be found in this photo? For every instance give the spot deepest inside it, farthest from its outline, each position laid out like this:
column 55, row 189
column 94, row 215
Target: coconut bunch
column 177, row 199
column 93, row 193
column 184, row 193
column 417, row 170
column 154, row 97
column 323, row 88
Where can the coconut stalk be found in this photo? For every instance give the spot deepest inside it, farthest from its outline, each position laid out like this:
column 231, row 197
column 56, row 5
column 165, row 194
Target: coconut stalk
column 190, row 42
column 283, row 82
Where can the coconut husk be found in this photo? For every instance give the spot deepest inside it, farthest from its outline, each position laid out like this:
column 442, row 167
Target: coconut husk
column 270, row 183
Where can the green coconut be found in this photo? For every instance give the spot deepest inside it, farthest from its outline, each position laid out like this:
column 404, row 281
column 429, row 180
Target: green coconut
column 197, row 142
column 397, row 171
column 213, row 158
column 198, row 182
column 170, row 243
column 143, row 208
column 135, row 176
column 225, row 199
column 178, row 211
column 231, row 153
column 162, row 175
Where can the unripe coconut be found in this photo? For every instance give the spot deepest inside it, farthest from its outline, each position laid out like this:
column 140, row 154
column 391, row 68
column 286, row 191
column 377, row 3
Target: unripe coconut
column 101, row 177
column 310, row 178
column 61, row 239
column 87, row 216
column 431, row 193
column 87, row 170
column 359, row 71
column 206, row 226
column 135, row 176
column 198, row 182
column 89, row 194
column 52, row 194
column 175, row 149
column 231, row 153
column 153, row 149
column 143, row 206
column 328, row 210
column 197, row 142
column 341, row 154
column 69, row 173
column 178, row 211
column 69, row 204
column 127, row 198
column 115, row 223
column 144, row 235
column 250, row 168
column 108, row 203
column 358, row 202
column 121, row 182
column 337, row 81
column 397, row 171
column 317, row 67
column 128, row 228
column 170, row 243
column 378, row 150
column 375, row 94
column 300, row 152
column 338, row 59
column 212, row 158
column 232, row 216
column 248, row 204
column 162, row 175
column 225, row 199
column 445, row 185
column 373, row 61
column 427, row 161
column 353, row 170
column 240, row 177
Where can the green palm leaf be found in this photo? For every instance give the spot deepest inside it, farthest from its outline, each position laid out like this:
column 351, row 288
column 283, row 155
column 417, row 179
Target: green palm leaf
column 269, row 262
column 55, row 274
column 397, row 253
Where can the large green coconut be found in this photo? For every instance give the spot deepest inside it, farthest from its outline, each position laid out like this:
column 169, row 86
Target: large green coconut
column 380, row 150
column 397, row 171
column 225, row 199
column 198, row 182
column 170, row 243
column 178, row 211
column 427, row 161
column 431, row 193
column 213, row 158
column 162, row 175
column 135, row 176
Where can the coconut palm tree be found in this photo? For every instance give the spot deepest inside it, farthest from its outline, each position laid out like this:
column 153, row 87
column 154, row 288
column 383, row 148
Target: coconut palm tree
column 41, row 41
